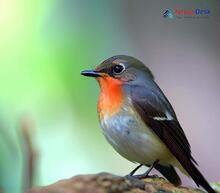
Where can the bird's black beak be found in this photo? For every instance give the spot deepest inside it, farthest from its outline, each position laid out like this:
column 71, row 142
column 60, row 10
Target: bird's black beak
column 91, row 73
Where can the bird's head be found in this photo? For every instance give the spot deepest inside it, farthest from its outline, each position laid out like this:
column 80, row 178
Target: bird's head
column 119, row 69
column 112, row 74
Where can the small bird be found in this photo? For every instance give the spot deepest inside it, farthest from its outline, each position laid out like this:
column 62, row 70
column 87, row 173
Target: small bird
column 140, row 123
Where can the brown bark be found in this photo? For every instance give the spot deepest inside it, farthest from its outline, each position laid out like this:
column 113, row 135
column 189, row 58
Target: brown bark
column 108, row 183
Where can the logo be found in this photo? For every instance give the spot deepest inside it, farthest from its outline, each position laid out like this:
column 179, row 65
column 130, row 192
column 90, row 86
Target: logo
column 168, row 14
column 187, row 13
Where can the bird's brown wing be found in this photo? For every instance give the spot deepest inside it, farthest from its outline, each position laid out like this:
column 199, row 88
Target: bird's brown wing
column 156, row 111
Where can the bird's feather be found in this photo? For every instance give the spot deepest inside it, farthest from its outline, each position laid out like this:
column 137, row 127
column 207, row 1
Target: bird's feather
column 150, row 103
column 169, row 173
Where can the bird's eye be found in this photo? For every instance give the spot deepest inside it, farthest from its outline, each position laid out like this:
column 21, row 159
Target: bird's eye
column 118, row 68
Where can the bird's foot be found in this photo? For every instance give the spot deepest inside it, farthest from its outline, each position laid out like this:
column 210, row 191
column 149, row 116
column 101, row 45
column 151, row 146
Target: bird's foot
column 144, row 175
column 135, row 181
column 141, row 176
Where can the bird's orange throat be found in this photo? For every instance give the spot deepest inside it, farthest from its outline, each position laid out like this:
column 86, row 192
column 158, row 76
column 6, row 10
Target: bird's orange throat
column 111, row 96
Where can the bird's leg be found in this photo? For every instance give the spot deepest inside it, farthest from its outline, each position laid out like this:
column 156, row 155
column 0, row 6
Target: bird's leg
column 146, row 174
column 133, row 171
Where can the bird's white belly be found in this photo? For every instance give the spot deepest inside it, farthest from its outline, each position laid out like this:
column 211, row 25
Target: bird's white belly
column 131, row 138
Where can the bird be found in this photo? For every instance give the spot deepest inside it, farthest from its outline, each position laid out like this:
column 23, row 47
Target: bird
column 139, row 122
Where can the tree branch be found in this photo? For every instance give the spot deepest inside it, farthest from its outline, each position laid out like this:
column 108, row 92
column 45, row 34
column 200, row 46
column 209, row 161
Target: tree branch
column 108, row 183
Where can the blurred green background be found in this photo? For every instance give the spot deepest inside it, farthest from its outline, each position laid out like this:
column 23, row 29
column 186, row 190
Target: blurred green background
column 44, row 45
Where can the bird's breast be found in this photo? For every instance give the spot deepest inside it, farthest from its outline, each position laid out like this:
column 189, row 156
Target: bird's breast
column 131, row 137
column 111, row 96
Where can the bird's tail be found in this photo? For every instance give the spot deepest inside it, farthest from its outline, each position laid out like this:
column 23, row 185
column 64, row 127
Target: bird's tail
column 169, row 173
column 195, row 174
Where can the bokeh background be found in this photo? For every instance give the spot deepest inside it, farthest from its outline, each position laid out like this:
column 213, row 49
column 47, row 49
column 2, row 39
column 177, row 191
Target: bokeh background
column 49, row 128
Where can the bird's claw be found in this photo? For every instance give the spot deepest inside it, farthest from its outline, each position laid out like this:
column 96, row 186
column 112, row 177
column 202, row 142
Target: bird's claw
column 141, row 176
